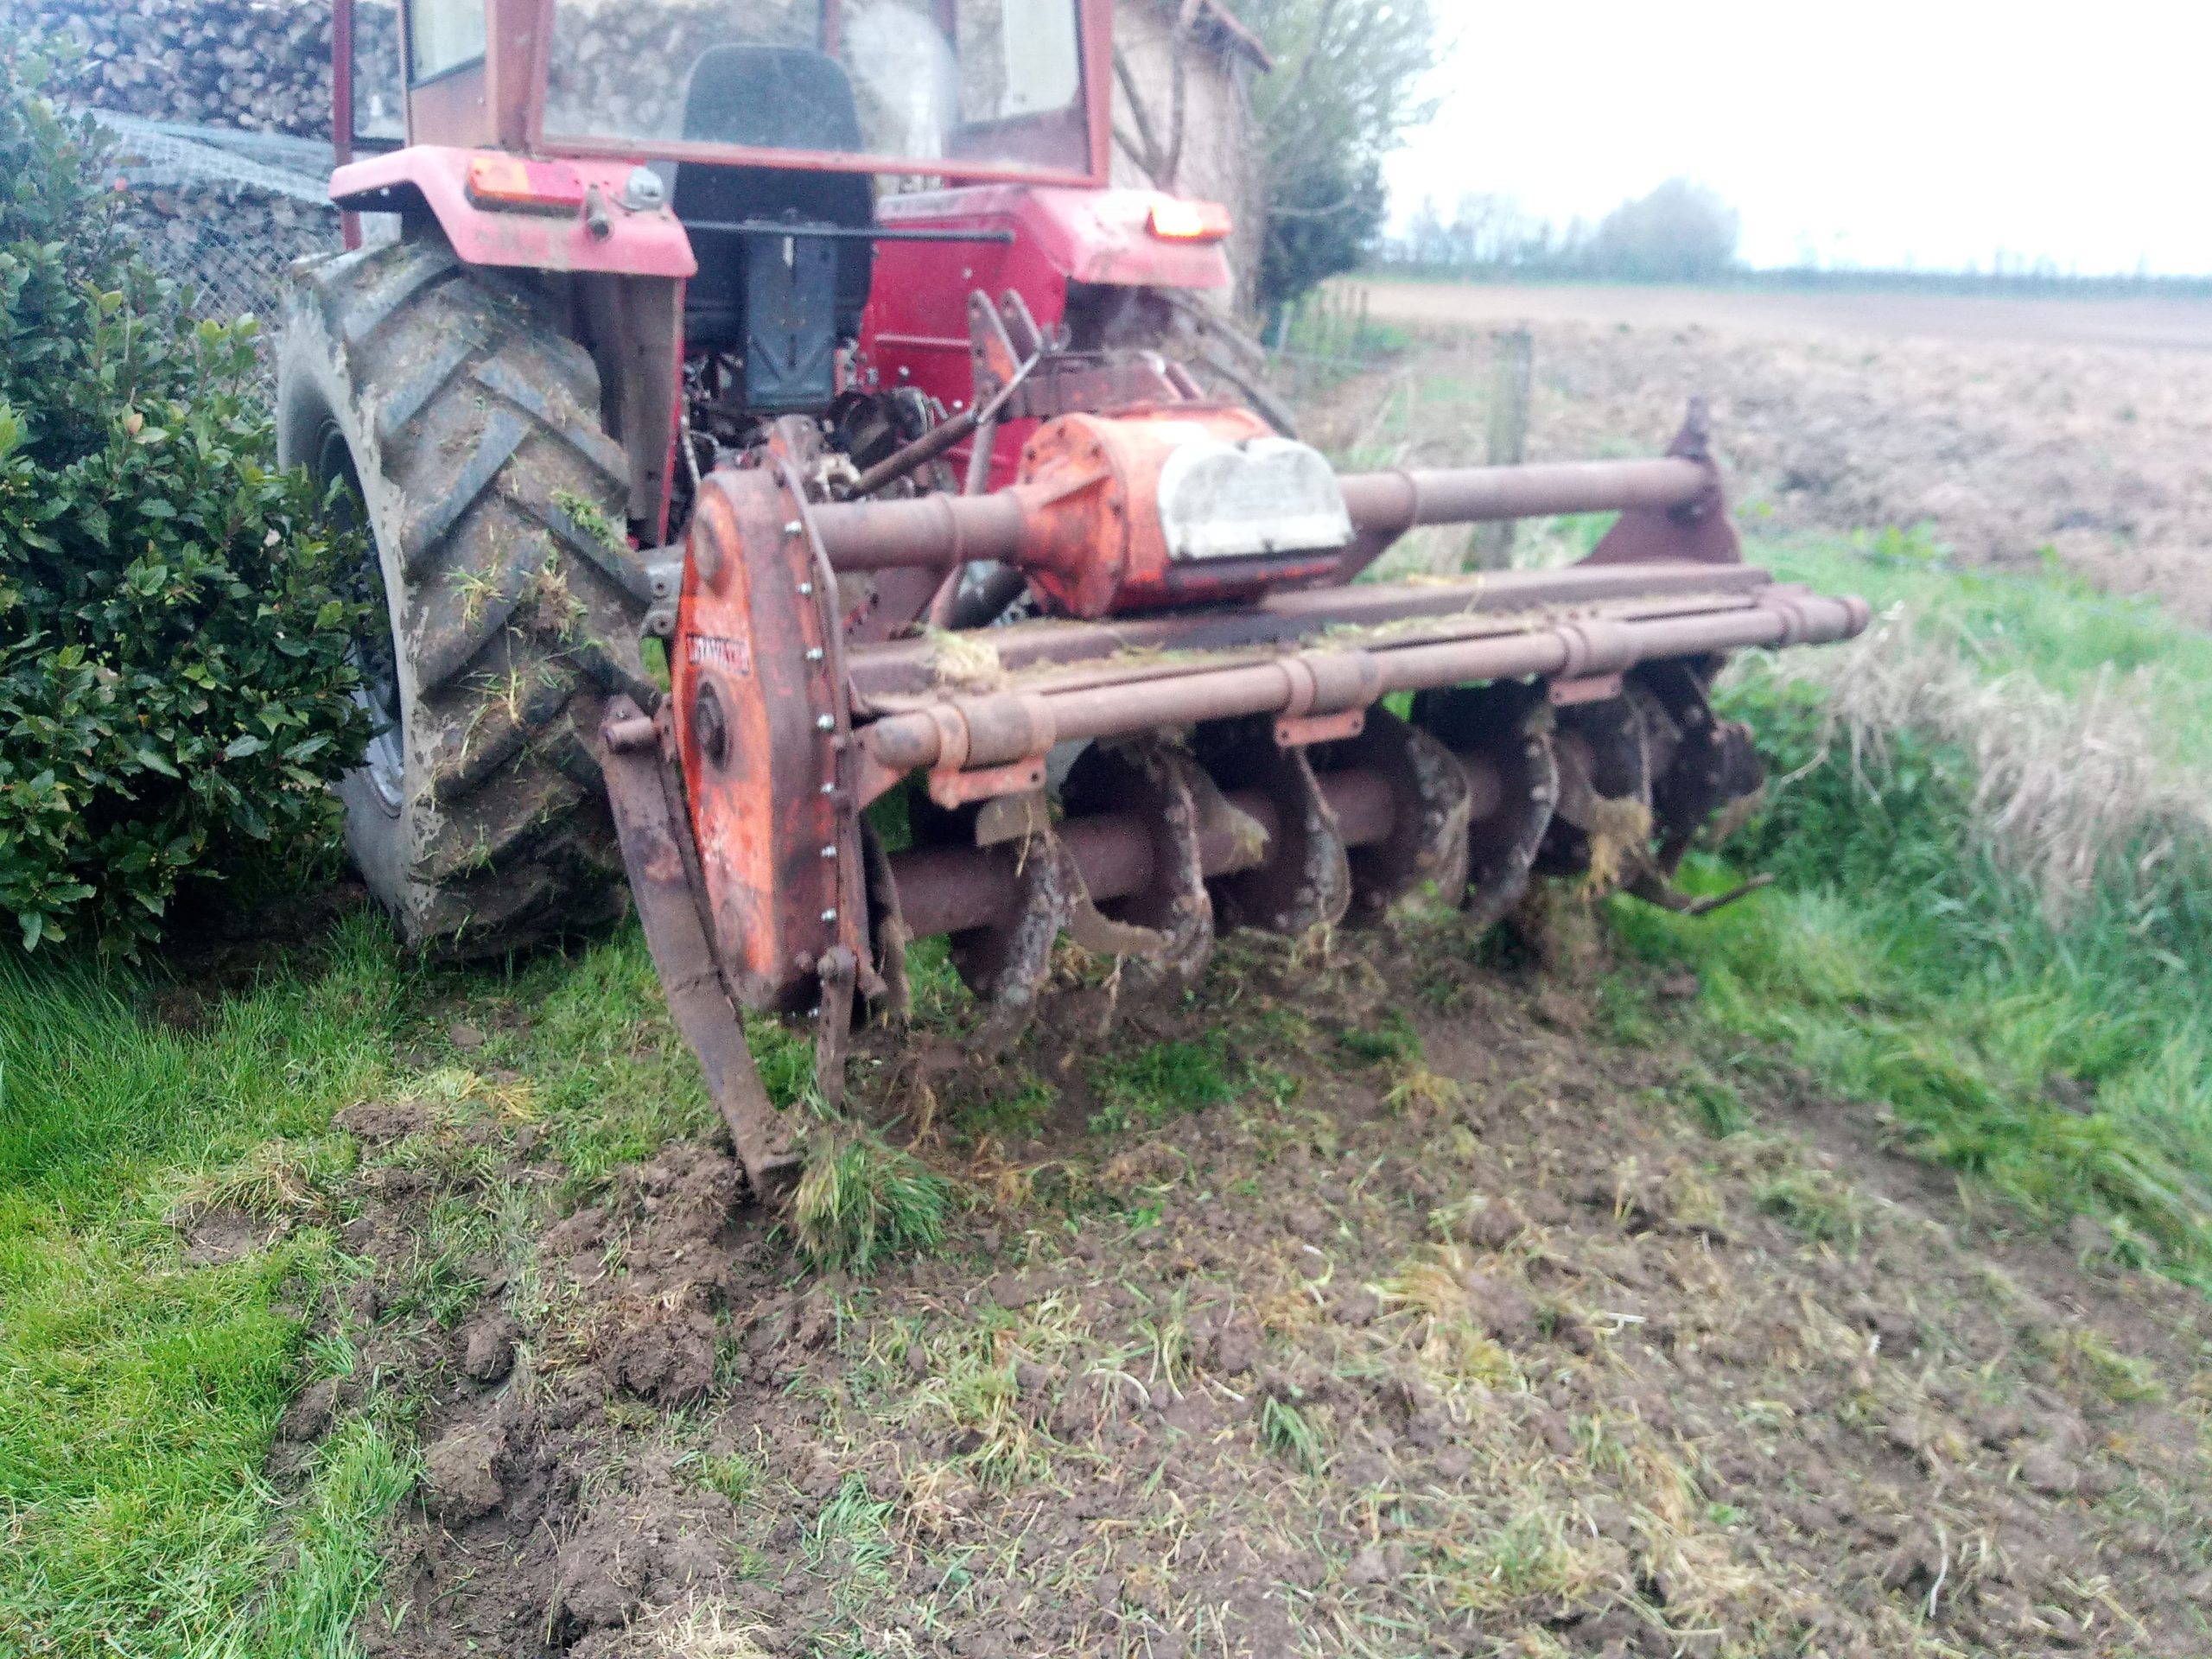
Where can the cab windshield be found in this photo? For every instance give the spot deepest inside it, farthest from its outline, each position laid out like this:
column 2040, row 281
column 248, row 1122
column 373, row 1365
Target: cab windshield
column 996, row 83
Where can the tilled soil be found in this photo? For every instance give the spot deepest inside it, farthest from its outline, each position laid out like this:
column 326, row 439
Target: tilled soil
column 1457, row 1332
column 2014, row 452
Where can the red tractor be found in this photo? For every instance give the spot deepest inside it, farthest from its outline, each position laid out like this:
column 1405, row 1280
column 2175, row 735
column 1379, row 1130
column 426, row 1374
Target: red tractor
column 807, row 339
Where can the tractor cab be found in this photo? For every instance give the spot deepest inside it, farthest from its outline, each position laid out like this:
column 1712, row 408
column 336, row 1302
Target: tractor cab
column 752, row 150
column 951, row 88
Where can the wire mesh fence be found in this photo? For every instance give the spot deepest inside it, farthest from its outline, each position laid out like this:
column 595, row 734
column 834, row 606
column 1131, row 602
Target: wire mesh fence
column 222, row 213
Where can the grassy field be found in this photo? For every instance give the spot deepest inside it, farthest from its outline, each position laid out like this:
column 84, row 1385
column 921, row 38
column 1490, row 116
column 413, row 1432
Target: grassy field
column 2045, row 1028
column 1994, row 852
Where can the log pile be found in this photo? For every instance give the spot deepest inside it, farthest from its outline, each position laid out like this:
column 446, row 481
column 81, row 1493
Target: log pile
column 618, row 67
column 265, row 65
column 260, row 64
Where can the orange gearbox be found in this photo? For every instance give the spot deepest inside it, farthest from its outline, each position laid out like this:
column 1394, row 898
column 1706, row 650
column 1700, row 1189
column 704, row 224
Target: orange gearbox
column 1155, row 508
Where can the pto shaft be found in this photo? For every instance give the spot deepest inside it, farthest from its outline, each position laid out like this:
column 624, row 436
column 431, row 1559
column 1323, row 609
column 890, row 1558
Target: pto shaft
column 936, row 531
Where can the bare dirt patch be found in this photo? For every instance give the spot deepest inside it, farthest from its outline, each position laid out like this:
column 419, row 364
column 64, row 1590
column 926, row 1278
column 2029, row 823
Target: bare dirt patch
column 2008, row 442
column 1451, row 1334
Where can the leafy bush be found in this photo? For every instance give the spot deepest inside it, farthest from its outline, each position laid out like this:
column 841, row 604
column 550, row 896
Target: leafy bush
column 174, row 684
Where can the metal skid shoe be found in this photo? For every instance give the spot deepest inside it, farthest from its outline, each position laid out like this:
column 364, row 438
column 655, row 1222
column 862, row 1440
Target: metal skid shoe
column 662, row 865
column 736, row 803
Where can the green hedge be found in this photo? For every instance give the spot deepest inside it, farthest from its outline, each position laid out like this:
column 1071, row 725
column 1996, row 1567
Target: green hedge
column 175, row 626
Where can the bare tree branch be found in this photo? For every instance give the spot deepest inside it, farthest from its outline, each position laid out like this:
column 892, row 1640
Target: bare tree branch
column 1177, row 70
column 1145, row 152
column 1288, row 102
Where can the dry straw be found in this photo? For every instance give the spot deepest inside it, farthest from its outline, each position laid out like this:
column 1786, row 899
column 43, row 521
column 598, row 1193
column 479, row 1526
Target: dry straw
column 2068, row 785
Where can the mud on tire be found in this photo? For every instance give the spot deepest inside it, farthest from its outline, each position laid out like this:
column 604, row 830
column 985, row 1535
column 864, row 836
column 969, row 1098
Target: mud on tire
column 470, row 427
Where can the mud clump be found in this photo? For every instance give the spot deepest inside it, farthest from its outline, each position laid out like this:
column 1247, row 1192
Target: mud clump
column 384, row 1120
column 457, row 1472
column 662, row 1354
column 488, row 1350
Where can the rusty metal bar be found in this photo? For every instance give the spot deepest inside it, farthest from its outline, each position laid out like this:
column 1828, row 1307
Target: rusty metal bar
column 924, row 450
column 929, row 531
column 936, row 531
column 1394, row 501
column 995, row 729
column 899, row 668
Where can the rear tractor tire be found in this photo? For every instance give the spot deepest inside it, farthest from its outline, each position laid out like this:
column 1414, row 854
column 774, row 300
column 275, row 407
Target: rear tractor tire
column 468, row 429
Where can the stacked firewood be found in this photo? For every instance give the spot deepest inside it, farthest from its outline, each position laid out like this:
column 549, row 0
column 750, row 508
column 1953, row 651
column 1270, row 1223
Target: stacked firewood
column 618, row 66
column 265, row 65
column 262, row 65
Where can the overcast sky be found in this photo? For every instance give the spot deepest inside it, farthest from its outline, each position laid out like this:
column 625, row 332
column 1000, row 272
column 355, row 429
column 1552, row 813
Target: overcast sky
column 1868, row 132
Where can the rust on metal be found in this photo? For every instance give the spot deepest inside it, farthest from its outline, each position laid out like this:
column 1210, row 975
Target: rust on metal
column 769, row 812
column 949, row 787
column 1501, row 602
column 985, row 725
column 1595, row 689
column 653, row 854
column 1432, row 804
column 1156, row 787
column 1304, row 882
column 1297, row 731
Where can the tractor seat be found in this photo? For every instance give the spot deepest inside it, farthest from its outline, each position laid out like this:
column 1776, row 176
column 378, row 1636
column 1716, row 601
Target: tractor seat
column 785, row 97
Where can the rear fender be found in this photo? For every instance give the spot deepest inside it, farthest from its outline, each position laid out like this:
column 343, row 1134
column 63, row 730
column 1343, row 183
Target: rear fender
column 434, row 178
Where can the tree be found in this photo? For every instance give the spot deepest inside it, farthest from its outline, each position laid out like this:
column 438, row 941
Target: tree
column 1345, row 88
column 1682, row 231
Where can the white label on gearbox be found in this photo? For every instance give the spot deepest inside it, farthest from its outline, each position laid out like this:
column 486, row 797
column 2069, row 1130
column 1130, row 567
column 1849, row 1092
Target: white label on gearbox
column 1246, row 500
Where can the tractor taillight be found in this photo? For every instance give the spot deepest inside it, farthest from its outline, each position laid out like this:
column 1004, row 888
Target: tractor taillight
column 527, row 186
column 1189, row 221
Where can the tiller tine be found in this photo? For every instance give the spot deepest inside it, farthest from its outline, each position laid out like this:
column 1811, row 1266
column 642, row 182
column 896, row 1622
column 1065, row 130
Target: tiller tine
column 1601, row 825
column 1432, row 805
column 1501, row 735
column 1166, row 914
column 1302, row 880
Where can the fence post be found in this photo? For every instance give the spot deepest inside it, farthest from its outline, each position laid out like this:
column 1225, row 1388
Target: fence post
column 1511, row 363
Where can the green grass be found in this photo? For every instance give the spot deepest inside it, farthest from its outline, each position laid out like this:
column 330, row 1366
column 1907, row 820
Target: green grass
column 139, row 1396
column 2065, row 1063
column 1284, row 1429
column 1147, row 1087
column 733, row 1474
column 863, row 1200
column 2047, row 624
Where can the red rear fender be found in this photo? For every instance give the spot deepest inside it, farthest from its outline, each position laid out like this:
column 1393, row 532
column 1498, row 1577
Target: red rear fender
column 584, row 224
